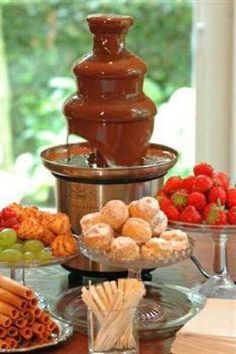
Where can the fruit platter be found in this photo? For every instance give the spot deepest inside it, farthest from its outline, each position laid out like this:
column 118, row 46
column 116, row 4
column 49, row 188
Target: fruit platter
column 30, row 237
column 204, row 203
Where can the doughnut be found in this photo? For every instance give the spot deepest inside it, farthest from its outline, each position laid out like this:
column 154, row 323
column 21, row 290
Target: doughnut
column 155, row 247
column 144, row 208
column 124, row 249
column 89, row 220
column 178, row 239
column 138, row 229
column 159, row 223
column 115, row 213
column 99, row 236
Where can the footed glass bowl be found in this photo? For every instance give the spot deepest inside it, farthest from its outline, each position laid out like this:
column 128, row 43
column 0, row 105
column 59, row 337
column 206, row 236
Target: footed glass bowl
column 220, row 284
column 137, row 265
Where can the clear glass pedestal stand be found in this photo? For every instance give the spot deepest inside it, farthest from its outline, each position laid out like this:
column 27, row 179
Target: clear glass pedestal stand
column 149, row 310
column 220, row 283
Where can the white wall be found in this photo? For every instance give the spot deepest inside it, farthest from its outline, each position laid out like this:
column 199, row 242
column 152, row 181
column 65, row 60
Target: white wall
column 215, row 112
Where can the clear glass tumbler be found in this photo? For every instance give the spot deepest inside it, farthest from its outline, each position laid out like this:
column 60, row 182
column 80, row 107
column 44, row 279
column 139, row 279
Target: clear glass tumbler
column 113, row 332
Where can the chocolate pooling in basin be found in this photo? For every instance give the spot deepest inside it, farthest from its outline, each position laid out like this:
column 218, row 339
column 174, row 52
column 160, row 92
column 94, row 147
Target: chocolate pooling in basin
column 109, row 108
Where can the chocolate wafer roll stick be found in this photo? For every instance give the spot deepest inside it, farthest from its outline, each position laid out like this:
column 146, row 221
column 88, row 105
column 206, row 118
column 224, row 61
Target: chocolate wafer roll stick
column 3, row 344
column 35, row 311
column 11, row 343
column 9, row 310
column 44, row 318
column 5, row 321
column 16, row 288
column 37, row 328
column 3, row 332
column 20, row 322
column 12, row 331
column 26, row 333
column 52, row 327
column 12, row 299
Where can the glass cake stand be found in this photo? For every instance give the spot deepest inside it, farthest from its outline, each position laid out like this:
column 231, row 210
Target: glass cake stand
column 220, row 284
column 178, row 305
column 162, row 311
column 18, row 269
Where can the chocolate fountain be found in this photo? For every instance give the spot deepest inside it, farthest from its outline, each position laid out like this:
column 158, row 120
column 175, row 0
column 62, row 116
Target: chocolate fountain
column 111, row 112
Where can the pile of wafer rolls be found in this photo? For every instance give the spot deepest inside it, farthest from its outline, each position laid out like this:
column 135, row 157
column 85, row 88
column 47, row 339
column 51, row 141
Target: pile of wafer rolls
column 114, row 306
column 22, row 322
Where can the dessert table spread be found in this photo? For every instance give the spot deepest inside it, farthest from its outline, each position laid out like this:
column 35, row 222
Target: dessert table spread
column 184, row 274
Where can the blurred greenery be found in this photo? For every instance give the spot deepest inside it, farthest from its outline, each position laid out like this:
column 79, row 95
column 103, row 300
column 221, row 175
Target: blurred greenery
column 42, row 40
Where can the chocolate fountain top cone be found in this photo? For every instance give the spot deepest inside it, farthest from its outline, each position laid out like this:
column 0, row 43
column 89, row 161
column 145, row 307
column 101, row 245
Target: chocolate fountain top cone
column 109, row 108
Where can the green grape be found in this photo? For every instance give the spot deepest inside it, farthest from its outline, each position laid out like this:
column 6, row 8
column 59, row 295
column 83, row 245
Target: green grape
column 8, row 237
column 33, row 246
column 11, row 255
column 17, row 246
column 29, row 256
column 44, row 255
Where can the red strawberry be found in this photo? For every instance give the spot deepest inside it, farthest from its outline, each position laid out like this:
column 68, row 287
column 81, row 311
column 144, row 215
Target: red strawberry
column 172, row 212
column 188, row 183
column 217, row 195
column 15, row 227
column 231, row 216
column 221, row 179
column 172, row 184
column 198, row 200
column 163, row 201
column 160, row 193
column 11, row 221
column 214, row 215
column 203, row 168
column 231, row 197
column 202, row 183
column 3, row 223
column 191, row 215
column 179, row 199
column 8, row 213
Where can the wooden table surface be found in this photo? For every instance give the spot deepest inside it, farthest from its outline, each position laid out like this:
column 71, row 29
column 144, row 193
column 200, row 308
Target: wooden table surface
column 184, row 274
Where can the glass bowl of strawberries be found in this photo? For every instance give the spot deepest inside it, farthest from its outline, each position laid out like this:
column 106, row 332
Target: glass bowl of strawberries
column 204, row 203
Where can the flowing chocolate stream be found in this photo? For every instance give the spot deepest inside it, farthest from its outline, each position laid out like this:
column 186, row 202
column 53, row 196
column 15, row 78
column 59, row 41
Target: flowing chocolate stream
column 109, row 108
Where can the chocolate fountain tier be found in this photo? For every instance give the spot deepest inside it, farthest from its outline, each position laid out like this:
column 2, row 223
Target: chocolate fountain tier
column 109, row 108
column 70, row 161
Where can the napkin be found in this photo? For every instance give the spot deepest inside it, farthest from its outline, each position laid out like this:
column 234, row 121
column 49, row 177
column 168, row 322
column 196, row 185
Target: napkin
column 211, row 331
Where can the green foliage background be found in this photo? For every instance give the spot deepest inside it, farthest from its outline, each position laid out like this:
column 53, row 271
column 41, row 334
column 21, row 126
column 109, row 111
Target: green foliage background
column 43, row 39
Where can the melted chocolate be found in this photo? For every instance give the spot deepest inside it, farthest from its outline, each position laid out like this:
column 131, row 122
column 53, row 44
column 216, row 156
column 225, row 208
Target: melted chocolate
column 109, row 108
